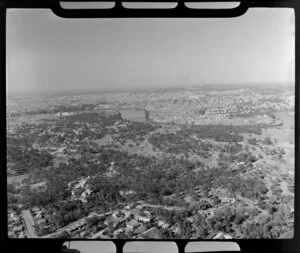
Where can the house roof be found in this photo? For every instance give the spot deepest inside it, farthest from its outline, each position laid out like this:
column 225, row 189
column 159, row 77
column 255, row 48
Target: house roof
column 144, row 218
column 218, row 235
column 152, row 233
column 141, row 229
column 18, row 228
column 288, row 235
column 227, row 236
column 133, row 223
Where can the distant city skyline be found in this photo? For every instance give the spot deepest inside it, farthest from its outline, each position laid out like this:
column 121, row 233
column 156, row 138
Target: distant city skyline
column 51, row 54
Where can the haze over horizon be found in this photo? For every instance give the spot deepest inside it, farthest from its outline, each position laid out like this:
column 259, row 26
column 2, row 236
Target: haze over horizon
column 46, row 53
column 204, row 87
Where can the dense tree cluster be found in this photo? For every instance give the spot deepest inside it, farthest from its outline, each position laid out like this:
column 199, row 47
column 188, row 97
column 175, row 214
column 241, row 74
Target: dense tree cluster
column 134, row 130
column 177, row 143
column 102, row 118
column 109, row 172
column 27, row 159
column 68, row 212
column 268, row 226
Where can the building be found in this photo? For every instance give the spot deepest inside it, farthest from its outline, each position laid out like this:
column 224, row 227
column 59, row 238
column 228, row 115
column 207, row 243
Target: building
column 35, row 209
column 141, row 229
column 118, row 231
column 144, row 218
column 136, row 212
column 62, row 114
column 65, row 114
column 221, row 235
column 127, row 193
column 41, row 222
column 152, row 233
column 39, row 215
column 227, row 236
column 133, row 224
column 18, row 229
column 218, row 235
column 163, row 224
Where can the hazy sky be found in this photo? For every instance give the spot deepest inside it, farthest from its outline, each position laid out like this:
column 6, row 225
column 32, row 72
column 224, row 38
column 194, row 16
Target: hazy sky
column 46, row 52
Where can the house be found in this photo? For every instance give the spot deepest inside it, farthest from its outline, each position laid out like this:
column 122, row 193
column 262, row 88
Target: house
column 221, row 235
column 92, row 214
column 181, row 194
column 140, row 207
column 118, row 231
column 127, row 193
column 163, row 224
column 112, row 219
column 198, row 191
column 190, row 219
column 188, row 199
column 225, row 200
column 227, row 236
column 40, row 222
column 35, row 209
column 136, row 212
column 47, row 226
column 65, row 114
column 152, row 233
column 22, row 235
column 197, row 188
column 39, row 215
column 82, row 234
column 127, row 230
column 18, row 229
column 13, row 216
column 144, row 218
column 147, row 213
column 141, row 229
column 175, row 229
column 133, row 224
column 218, row 235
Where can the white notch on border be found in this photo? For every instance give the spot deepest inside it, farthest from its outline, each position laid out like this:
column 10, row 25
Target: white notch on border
column 212, row 5
column 211, row 246
column 150, row 247
column 149, row 5
column 87, row 5
column 91, row 246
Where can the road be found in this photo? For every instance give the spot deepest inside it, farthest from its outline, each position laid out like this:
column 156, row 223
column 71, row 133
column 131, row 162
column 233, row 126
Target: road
column 29, row 223
column 100, row 234
column 176, row 208
column 79, row 222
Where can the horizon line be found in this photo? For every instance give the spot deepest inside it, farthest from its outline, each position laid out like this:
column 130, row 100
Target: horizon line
column 148, row 88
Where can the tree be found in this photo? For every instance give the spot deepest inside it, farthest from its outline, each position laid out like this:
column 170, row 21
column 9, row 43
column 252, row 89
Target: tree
column 267, row 141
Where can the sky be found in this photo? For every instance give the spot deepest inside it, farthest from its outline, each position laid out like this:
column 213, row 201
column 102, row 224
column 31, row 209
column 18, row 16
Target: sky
column 49, row 53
